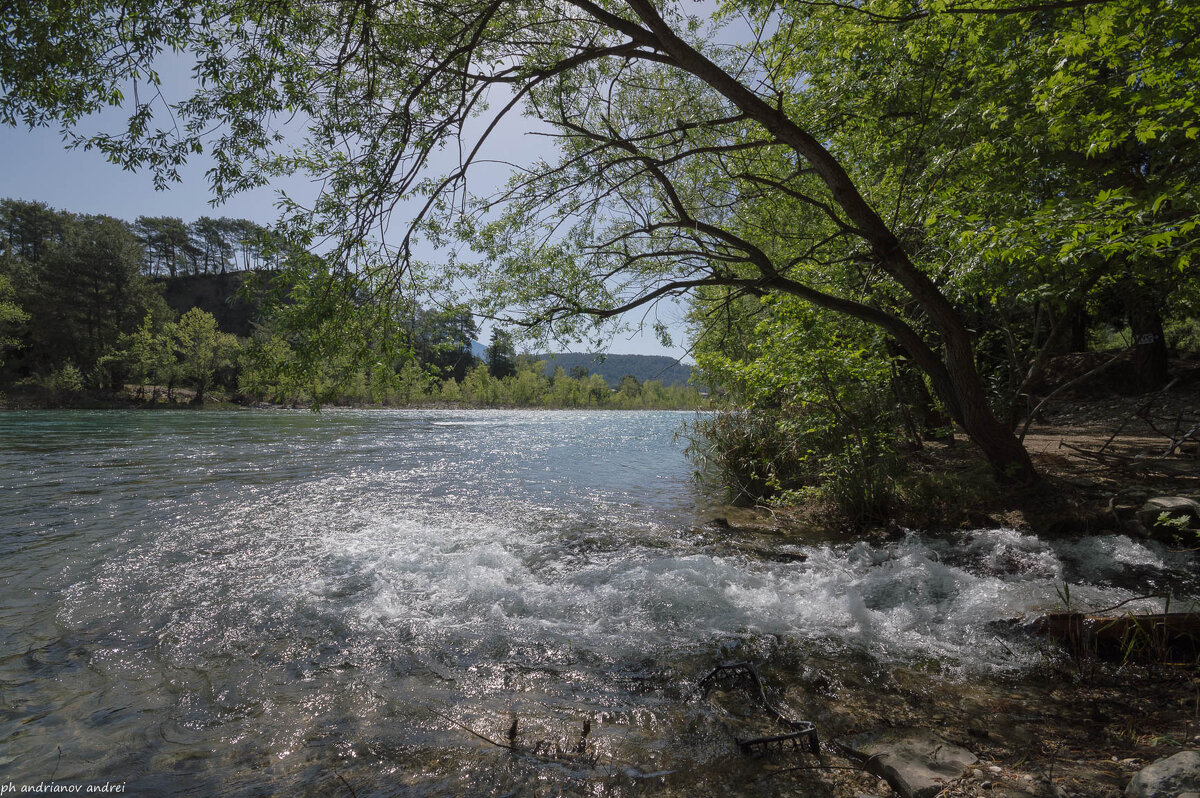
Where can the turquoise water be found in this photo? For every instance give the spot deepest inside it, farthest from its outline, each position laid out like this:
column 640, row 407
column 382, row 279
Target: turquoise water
column 260, row 602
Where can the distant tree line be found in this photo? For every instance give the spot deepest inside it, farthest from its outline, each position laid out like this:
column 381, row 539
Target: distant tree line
column 205, row 246
column 79, row 284
column 434, row 365
column 170, row 247
column 82, row 310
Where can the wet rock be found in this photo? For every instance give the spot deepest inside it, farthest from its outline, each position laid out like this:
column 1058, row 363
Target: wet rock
column 1172, row 777
column 915, row 762
column 1174, row 506
column 764, row 551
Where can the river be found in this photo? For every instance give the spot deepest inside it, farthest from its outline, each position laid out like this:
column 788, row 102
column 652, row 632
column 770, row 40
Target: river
column 270, row 602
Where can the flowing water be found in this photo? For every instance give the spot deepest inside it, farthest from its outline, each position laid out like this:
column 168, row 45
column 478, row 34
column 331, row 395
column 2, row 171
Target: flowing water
column 254, row 603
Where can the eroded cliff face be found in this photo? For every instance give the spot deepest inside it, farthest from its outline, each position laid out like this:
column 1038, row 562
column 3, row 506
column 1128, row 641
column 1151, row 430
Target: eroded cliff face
column 218, row 294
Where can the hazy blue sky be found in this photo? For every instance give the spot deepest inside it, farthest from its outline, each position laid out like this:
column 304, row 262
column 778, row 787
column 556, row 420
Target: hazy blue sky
column 36, row 166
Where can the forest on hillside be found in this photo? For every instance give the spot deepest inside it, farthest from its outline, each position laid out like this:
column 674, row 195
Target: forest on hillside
column 83, row 317
column 614, row 368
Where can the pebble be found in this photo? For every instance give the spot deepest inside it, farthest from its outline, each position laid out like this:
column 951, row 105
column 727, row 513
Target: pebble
column 985, row 785
column 994, row 768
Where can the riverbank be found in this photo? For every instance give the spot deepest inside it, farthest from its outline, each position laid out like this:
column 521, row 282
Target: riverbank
column 183, row 399
column 1101, row 459
column 1070, row 729
column 1080, row 723
column 1075, row 726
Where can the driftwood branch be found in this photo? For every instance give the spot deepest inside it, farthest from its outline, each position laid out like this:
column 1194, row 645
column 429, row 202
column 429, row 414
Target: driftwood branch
column 1137, row 411
column 1128, row 462
column 1067, row 386
column 542, row 750
column 801, row 730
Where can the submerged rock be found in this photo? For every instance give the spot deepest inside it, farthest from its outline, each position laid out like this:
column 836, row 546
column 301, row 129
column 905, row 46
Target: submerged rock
column 915, row 762
column 1171, row 777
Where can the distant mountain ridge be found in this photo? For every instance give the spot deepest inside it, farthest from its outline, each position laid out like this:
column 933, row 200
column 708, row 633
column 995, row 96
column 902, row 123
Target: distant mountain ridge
column 612, row 368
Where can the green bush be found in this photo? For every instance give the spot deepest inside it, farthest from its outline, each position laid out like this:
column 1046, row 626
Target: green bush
column 745, row 456
column 61, row 383
column 756, row 456
column 1183, row 336
column 860, row 478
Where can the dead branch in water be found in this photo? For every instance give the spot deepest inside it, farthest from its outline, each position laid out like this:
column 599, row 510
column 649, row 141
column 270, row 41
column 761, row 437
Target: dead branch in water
column 542, row 749
column 800, row 729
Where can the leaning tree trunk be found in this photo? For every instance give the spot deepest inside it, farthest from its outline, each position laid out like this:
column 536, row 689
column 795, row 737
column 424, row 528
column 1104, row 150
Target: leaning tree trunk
column 954, row 376
column 1004, row 452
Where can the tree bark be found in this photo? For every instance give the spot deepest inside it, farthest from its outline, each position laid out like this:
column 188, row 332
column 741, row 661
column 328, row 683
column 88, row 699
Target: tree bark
column 1150, row 362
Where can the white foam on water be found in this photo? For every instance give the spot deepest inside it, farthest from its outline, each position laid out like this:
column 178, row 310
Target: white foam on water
column 456, row 578
column 468, row 581
column 463, row 569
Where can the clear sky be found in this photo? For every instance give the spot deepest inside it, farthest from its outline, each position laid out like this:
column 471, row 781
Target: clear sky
column 36, row 166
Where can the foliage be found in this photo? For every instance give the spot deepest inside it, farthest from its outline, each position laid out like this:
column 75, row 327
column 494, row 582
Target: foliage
column 11, row 317
column 63, row 384
column 313, row 348
column 943, row 497
column 1183, row 335
column 201, row 349
column 146, row 356
column 265, row 369
column 746, row 457
column 66, row 380
column 612, row 367
column 667, row 144
column 814, row 417
column 78, row 279
column 265, row 376
column 501, row 354
column 441, row 339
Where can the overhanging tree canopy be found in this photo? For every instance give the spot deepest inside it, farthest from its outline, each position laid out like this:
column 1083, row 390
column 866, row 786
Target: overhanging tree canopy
column 680, row 164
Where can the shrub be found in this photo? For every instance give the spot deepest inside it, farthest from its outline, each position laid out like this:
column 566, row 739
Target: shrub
column 757, row 456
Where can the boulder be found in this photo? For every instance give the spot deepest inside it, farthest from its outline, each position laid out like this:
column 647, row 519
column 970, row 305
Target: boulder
column 1175, row 506
column 1172, row 777
column 915, row 762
